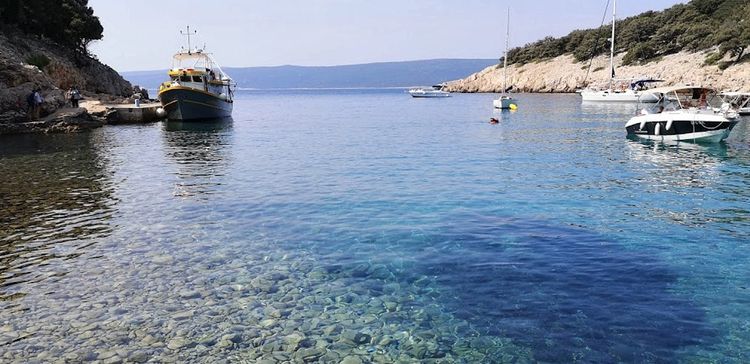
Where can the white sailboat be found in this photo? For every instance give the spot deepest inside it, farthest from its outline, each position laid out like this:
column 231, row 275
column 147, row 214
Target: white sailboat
column 504, row 101
column 634, row 92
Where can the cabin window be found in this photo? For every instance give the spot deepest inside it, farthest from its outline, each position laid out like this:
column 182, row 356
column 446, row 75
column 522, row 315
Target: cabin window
column 198, row 79
column 185, row 79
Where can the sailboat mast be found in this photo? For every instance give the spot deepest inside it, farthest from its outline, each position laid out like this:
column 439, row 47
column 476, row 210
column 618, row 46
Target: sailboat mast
column 612, row 47
column 505, row 56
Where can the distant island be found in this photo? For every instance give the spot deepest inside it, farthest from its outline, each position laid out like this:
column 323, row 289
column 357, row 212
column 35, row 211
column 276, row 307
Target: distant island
column 702, row 42
column 370, row 75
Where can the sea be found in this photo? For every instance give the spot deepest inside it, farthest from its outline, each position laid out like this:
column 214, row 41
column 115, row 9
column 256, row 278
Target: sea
column 365, row 226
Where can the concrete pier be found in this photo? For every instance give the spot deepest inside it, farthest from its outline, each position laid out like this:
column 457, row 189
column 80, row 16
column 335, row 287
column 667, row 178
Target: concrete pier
column 130, row 114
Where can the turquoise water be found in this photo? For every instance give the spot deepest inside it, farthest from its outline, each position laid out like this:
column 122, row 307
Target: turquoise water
column 321, row 226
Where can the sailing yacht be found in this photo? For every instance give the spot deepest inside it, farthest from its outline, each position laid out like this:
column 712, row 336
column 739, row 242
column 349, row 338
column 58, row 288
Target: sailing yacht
column 505, row 102
column 636, row 92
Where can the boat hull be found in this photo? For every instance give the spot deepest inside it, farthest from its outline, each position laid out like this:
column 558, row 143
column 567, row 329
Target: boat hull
column 183, row 103
column 504, row 103
column 682, row 126
column 627, row 96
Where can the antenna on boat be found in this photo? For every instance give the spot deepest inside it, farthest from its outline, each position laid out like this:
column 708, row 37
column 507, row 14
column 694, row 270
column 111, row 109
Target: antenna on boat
column 188, row 34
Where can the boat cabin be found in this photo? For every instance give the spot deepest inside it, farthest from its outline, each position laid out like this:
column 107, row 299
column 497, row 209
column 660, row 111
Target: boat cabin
column 197, row 70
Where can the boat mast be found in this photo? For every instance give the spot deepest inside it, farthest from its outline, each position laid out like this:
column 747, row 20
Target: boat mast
column 612, row 47
column 505, row 56
column 188, row 37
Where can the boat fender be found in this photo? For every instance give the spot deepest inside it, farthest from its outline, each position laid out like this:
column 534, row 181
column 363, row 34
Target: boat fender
column 223, row 96
column 657, row 129
column 513, row 107
column 643, row 124
column 669, row 124
column 160, row 112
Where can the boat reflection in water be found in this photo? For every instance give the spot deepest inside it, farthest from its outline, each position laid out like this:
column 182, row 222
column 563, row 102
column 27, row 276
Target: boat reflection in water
column 200, row 150
column 609, row 108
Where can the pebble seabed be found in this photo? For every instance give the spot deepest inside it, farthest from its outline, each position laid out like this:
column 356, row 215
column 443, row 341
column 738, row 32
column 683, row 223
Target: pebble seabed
column 177, row 305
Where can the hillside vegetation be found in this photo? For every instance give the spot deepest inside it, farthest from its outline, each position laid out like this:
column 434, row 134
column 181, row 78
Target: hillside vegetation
column 43, row 45
column 66, row 22
column 721, row 26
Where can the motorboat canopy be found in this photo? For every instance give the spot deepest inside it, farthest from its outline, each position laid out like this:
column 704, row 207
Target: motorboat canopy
column 738, row 100
column 642, row 84
column 683, row 97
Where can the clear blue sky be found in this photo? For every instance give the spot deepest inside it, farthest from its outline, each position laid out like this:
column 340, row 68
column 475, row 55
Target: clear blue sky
column 143, row 35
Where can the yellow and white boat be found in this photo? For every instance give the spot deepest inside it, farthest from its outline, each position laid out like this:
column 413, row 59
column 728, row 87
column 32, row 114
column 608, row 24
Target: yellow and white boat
column 197, row 89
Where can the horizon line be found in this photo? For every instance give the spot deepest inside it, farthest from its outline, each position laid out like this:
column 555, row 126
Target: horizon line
column 334, row 65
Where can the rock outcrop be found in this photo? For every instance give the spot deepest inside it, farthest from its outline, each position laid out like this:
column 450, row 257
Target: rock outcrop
column 66, row 120
column 57, row 69
column 564, row 74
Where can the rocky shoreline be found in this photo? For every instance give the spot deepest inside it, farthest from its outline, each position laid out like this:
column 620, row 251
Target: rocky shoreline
column 563, row 74
column 54, row 70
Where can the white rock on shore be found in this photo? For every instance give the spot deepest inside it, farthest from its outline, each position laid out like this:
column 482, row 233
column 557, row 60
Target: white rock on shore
column 564, row 74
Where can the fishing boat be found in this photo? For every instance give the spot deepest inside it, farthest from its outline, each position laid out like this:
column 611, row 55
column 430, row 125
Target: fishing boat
column 505, row 102
column 198, row 89
column 691, row 113
column 738, row 100
column 622, row 90
column 429, row 92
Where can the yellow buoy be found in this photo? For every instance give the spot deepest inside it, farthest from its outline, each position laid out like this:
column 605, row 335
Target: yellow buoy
column 513, row 107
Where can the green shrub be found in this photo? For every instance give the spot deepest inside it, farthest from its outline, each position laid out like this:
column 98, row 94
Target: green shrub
column 640, row 53
column 713, row 59
column 694, row 26
column 39, row 60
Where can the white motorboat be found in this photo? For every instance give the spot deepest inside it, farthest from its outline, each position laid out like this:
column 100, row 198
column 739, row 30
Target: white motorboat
column 616, row 93
column 690, row 113
column 505, row 102
column 738, row 100
column 429, row 92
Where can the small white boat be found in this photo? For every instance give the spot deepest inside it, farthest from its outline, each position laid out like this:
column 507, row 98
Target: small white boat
column 634, row 93
column 738, row 100
column 690, row 113
column 429, row 92
column 505, row 102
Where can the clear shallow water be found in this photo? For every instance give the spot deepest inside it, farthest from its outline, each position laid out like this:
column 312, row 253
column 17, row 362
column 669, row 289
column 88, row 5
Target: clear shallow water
column 321, row 225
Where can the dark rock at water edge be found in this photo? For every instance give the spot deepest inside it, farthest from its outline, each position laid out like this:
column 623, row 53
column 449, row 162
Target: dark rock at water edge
column 64, row 121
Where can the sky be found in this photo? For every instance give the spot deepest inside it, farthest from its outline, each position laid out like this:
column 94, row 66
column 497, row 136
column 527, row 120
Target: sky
column 143, row 34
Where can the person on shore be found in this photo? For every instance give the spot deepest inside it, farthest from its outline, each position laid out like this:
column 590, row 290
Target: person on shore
column 30, row 105
column 38, row 101
column 34, row 101
column 137, row 98
column 75, row 96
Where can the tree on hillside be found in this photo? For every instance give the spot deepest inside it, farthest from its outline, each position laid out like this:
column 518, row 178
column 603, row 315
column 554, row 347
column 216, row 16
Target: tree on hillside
column 695, row 26
column 734, row 37
column 68, row 22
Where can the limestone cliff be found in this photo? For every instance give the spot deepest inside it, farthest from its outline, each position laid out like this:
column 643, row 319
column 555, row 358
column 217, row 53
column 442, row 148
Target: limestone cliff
column 564, row 74
column 56, row 69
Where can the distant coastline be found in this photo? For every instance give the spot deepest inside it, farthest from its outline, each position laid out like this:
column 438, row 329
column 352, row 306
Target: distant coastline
column 368, row 75
column 564, row 74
